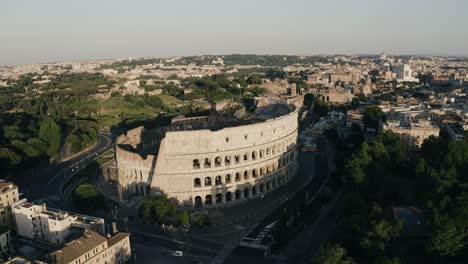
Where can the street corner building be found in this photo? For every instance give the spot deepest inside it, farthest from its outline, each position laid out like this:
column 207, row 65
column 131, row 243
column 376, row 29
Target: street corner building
column 211, row 160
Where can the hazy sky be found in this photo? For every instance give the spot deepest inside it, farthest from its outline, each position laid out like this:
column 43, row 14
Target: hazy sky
column 51, row 30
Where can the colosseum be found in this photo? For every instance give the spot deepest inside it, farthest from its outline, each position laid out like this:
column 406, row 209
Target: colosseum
column 211, row 160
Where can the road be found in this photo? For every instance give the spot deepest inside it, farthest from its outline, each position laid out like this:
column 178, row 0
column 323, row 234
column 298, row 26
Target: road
column 308, row 161
column 45, row 184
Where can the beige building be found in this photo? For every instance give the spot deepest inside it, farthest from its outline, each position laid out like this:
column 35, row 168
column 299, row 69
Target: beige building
column 93, row 248
column 414, row 133
column 37, row 222
column 337, row 95
column 6, row 248
column 8, row 195
column 207, row 161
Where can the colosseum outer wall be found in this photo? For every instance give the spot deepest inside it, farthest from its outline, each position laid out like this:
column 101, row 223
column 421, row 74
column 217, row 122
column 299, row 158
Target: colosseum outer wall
column 207, row 164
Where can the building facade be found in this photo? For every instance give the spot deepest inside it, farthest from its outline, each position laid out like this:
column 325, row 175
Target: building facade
column 37, row 222
column 93, row 248
column 214, row 165
column 8, row 195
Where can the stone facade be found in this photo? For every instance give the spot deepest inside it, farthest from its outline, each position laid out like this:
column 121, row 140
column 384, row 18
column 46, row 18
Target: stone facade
column 213, row 166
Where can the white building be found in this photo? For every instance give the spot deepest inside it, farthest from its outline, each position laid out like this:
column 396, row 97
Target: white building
column 37, row 222
column 404, row 73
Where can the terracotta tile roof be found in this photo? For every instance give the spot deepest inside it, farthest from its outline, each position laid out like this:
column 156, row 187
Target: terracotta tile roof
column 77, row 247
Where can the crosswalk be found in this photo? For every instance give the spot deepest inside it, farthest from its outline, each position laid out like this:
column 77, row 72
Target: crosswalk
column 253, row 245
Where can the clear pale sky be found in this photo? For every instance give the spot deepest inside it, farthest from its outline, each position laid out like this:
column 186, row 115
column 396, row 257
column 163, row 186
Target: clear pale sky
column 57, row 30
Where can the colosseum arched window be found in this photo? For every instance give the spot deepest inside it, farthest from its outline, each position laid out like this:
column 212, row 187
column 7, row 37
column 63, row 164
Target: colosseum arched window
column 196, row 164
column 207, row 163
column 268, row 186
column 254, row 173
column 197, row 182
column 198, row 201
column 238, row 177
column 261, row 153
column 246, row 175
column 219, row 198
column 228, row 178
column 237, row 159
column 208, row 181
column 246, row 157
column 261, row 171
column 254, row 155
column 267, row 151
column 238, row 194
column 218, row 162
column 208, row 200
column 262, row 187
column 218, row 180
column 246, row 193
column 227, row 160
column 254, row 190
column 228, row 197
column 273, row 150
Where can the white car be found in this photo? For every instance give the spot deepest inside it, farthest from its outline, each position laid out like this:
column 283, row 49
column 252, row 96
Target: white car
column 177, row 253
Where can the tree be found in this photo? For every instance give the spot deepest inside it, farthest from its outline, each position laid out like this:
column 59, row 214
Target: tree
column 87, row 196
column 447, row 239
column 9, row 158
column 201, row 220
column 308, row 99
column 156, row 209
column 154, row 101
column 75, row 143
column 49, row 132
column 372, row 116
column 332, row 254
column 184, row 218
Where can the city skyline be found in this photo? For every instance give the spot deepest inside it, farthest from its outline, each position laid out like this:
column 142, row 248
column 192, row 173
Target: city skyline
column 54, row 31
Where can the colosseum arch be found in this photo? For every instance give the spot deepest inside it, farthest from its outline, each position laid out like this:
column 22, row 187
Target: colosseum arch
column 198, row 201
column 246, row 157
column 229, row 197
column 238, row 177
column 227, row 160
column 254, row 190
column 207, row 163
column 246, row 175
column 227, row 179
column 208, row 199
column 246, row 193
column 262, row 187
column 219, row 198
column 208, row 181
column 254, row 155
column 197, row 183
column 254, row 173
column 218, row 162
column 196, row 164
column 238, row 195
column 237, row 159
column 261, row 153
column 218, row 180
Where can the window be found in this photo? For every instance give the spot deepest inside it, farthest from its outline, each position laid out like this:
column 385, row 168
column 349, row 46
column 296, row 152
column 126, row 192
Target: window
column 207, row 163
column 196, row 164
column 208, row 181
column 246, row 137
column 227, row 139
column 196, row 183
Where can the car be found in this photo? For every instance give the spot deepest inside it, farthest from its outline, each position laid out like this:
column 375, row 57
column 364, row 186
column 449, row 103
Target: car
column 178, row 253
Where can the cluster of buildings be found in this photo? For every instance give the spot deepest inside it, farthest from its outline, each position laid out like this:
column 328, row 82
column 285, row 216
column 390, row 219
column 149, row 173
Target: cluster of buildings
column 417, row 122
column 33, row 233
